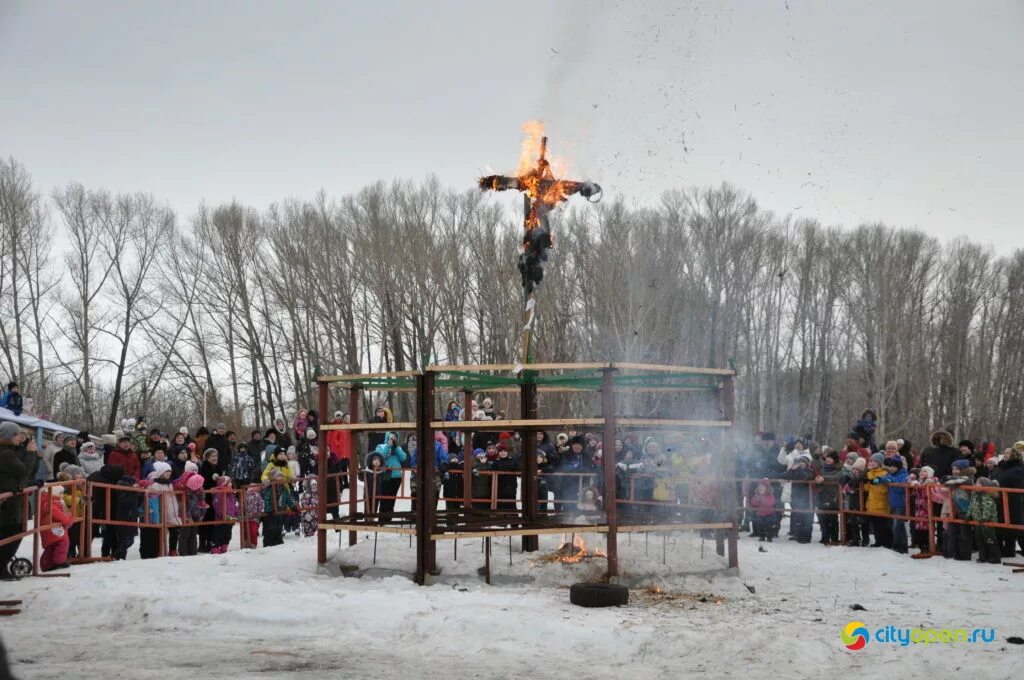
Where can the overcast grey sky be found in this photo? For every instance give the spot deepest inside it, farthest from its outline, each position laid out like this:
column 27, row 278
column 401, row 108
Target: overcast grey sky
column 906, row 112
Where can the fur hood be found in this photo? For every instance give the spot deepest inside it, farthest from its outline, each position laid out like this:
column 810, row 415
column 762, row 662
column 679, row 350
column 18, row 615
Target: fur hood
column 942, row 438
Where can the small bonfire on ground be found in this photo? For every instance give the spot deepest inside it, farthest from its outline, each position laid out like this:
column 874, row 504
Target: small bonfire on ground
column 572, row 552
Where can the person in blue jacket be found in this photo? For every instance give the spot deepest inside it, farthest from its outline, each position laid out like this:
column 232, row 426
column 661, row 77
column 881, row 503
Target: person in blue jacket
column 11, row 399
column 394, row 456
column 897, row 500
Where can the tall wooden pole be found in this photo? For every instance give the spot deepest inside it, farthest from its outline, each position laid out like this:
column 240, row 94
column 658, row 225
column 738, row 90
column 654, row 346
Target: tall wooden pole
column 608, row 461
column 321, row 479
column 426, row 506
column 528, row 438
column 353, row 463
column 730, row 468
column 467, row 456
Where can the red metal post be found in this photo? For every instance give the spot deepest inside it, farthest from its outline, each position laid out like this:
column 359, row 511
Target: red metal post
column 321, row 478
column 353, row 463
column 608, row 461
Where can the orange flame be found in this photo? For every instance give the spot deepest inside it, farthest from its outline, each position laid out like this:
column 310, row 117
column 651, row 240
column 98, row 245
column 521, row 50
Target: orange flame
column 531, row 147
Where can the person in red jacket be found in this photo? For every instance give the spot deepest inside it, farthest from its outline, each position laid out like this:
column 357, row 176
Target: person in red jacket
column 339, row 442
column 55, row 539
column 124, row 456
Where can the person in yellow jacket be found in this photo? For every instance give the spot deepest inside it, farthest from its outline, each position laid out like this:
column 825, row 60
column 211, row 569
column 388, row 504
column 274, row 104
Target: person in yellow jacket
column 878, row 501
column 75, row 504
column 279, row 461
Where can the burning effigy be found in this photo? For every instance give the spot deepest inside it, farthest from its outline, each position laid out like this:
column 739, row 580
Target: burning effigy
column 542, row 192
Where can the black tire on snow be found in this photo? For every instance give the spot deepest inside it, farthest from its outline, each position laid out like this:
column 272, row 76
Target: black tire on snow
column 21, row 567
column 598, row 595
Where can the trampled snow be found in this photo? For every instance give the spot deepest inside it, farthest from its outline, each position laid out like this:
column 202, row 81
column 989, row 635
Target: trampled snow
column 271, row 612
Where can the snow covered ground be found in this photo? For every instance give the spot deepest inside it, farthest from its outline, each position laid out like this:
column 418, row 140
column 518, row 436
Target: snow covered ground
column 270, row 612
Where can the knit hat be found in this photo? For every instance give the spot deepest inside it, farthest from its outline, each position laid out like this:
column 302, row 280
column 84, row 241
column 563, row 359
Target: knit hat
column 878, row 458
column 860, row 464
column 961, row 464
column 310, row 433
column 194, row 483
column 926, row 473
column 9, row 430
column 191, row 467
column 221, row 427
column 72, row 469
column 291, row 450
column 183, row 430
column 208, row 451
column 338, row 415
column 160, row 467
column 851, row 457
column 479, row 452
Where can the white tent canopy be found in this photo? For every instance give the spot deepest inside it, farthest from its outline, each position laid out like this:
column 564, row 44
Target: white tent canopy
column 33, row 422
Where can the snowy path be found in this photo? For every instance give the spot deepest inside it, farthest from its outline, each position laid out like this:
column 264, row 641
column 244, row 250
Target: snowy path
column 268, row 613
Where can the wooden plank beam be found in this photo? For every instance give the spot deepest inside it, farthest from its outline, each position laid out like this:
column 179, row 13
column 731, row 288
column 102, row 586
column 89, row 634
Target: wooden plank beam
column 371, row 528
column 500, row 425
column 634, row 528
column 495, row 533
column 588, row 366
column 369, row 427
column 627, row 366
column 670, row 422
column 363, row 377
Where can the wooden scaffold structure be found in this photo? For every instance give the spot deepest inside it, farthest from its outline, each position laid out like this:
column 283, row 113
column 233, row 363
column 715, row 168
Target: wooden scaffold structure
column 429, row 525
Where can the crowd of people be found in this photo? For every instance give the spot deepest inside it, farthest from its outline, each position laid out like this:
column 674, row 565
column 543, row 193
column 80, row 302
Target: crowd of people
column 215, row 481
column 894, row 496
column 266, row 483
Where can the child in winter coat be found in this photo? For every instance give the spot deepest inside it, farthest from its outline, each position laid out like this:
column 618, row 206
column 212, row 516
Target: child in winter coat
column 763, row 503
column 128, row 509
column 801, row 520
column 958, row 539
column 225, row 509
column 55, row 539
column 308, row 507
column 159, row 503
column 827, row 498
column 897, row 497
column 253, row 509
column 307, row 451
column 191, row 486
column 300, row 424
column 291, row 522
column 858, row 529
column 877, row 501
column 277, row 503
column 983, row 508
column 74, row 501
column 244, row 467
column 922, row 500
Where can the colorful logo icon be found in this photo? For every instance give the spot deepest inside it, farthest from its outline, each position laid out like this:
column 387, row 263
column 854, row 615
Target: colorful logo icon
column 854, row 635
